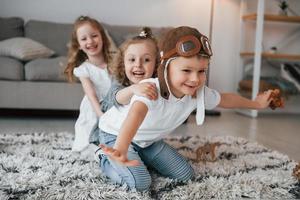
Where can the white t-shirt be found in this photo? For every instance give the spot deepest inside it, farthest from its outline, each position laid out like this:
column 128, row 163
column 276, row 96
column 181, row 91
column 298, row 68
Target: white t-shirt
column 163, row 115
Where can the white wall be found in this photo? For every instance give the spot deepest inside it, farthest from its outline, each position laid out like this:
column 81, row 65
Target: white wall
column 126, row 12
column 225, row 45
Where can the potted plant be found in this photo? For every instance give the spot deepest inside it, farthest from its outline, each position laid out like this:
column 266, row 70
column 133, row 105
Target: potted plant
column 283, row 5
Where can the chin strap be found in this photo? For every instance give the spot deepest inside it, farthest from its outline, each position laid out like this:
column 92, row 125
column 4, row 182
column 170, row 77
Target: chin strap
column 162, row 73
column 166, row 72
column 200, row 112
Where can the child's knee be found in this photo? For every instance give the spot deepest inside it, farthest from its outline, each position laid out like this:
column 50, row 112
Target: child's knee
column 141, row 182
column 134, row 177
column 187, row 175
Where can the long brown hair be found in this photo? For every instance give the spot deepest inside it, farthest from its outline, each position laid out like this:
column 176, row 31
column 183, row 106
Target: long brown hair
column 75, row 55
column 118, row 67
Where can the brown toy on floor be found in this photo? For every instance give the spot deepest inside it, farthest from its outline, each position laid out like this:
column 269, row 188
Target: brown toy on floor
column 296, row 171
column 207, row 152
column 277, row 100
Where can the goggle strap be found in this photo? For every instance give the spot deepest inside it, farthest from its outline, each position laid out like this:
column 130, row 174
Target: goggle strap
column 206, row 45
column 178, row 50
column 169, row 54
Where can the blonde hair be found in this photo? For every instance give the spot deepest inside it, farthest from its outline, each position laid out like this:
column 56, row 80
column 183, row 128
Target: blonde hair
column 118, row 67
column 76, row 56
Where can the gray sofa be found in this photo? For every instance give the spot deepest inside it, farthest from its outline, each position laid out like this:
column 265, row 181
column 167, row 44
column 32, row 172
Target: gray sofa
column 39, row 83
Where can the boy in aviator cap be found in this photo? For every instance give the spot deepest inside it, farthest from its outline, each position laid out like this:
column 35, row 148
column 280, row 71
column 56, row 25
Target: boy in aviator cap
column 136, row 130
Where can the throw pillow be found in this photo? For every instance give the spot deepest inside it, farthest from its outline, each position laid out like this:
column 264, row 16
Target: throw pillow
column 11, row 69
column 24, row 49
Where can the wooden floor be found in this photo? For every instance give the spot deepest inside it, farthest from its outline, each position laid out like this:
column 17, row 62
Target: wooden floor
column 278, row 132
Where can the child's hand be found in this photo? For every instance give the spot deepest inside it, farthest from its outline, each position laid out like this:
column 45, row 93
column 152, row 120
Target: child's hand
column 145, row 89
column 263, row 99
column 116, row 155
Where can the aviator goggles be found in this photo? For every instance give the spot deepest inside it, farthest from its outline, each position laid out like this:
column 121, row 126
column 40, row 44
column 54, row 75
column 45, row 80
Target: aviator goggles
column 189, row 46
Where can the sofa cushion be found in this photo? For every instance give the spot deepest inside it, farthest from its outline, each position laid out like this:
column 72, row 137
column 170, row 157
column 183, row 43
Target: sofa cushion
column 119, row 33
column 53, row 35
column 11, row 69
column 46, row 69
column 11, row 27
column 113, row 47
column 24, row 49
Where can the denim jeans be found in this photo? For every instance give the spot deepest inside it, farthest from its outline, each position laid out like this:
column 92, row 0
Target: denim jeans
column 159, row 156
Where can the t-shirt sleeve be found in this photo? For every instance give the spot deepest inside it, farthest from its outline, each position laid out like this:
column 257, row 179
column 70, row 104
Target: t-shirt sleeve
column 110, row 98
column 149, row 103
column 81, row 71
column 212, row 98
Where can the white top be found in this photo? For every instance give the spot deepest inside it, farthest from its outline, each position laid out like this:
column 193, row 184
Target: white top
column 99, row 77
column 163, row 115
column 88, row 120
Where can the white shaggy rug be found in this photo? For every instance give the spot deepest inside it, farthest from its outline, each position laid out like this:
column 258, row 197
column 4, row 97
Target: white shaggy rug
column 41, row 166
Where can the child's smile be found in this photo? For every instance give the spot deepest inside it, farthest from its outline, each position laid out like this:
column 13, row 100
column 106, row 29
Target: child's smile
column 138, row 73
column 92, row 47
column 186, row 75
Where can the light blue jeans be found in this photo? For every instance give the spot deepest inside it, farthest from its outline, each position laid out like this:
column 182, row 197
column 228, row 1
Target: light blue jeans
column 159, row 156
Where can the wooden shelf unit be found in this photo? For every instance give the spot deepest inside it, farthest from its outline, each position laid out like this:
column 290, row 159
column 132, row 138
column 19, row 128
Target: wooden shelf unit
column 291, row 57
column 275, row 18
column 257, row 54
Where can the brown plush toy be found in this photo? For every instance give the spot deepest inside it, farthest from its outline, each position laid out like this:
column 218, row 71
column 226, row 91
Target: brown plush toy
column 207, row 152
column 296, row 171
column 277, row 100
